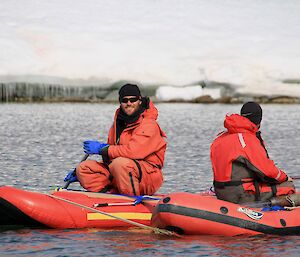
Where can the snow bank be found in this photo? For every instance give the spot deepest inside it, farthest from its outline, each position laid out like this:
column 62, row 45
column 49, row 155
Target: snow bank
column 167, row 93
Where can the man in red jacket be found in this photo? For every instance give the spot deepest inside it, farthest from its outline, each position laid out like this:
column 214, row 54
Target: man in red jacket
column 243, row 171
column 133, row 156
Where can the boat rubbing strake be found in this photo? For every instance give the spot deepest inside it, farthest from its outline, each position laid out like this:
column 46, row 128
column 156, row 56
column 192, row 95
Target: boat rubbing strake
column 34, row 209
column 197, row 214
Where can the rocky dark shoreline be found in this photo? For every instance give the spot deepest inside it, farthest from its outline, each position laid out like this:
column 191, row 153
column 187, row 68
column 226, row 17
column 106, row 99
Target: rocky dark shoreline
column 34, row 92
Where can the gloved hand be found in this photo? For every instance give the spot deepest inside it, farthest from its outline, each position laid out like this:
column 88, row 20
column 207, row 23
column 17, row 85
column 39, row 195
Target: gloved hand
column 93, row 147
column 71, row 176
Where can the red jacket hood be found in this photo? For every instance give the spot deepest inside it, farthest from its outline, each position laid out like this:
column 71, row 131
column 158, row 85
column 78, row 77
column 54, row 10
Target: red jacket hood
column 150, row 113
column 236, row 123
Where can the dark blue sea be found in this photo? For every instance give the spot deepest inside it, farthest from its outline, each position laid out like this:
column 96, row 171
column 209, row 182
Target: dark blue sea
column 41, row 142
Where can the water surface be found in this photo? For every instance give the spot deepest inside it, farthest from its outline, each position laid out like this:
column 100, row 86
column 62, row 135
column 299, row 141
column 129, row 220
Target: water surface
column 41, row 142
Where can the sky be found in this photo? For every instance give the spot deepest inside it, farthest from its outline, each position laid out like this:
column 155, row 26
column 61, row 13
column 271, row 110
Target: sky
column 251, row 44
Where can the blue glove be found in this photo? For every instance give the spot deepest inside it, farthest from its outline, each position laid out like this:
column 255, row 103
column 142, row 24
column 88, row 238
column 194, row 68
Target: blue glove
column 71, row 176
column 93, row 147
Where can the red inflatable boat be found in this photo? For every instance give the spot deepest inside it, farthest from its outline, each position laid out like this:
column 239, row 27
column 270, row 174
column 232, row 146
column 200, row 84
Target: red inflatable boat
column 196, row 214
column 33, row 209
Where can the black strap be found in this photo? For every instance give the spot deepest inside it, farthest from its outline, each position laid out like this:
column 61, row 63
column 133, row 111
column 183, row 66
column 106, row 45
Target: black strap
column 132, row 184
column 140, row 169
column 257, row 191
column 274, row 189
column 218, row 184
column 258, row 135
column 154, row 165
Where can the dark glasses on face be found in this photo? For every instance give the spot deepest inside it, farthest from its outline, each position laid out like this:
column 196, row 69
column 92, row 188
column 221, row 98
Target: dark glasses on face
column 132, row 100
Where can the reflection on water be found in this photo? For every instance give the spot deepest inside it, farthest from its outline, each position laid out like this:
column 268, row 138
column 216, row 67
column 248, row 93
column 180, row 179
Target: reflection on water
column 41, row 142
column 95, row 242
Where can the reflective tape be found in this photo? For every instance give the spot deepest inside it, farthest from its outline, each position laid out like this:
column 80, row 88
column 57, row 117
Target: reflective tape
column 242, row 141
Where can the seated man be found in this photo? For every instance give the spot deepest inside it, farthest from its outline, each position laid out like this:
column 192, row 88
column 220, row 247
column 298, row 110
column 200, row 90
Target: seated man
column 134, row 154
column 242, row 169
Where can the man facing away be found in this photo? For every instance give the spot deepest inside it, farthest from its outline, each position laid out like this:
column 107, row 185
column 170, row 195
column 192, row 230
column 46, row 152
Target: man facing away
column 243, row 171
column 134, row 154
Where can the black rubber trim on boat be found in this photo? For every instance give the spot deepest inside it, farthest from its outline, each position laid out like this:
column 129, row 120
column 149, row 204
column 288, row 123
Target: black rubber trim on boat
column 225, row 219
column 10, row 215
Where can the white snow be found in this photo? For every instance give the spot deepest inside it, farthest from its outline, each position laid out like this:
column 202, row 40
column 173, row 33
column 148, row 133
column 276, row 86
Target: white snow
column 253, row 44
column 168, row 93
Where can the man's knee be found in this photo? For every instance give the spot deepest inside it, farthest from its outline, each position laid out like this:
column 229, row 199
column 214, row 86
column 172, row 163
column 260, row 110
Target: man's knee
column 125, row 178
column 121, row 165
column 89, row 166
column 92, row 175
column 83, row 167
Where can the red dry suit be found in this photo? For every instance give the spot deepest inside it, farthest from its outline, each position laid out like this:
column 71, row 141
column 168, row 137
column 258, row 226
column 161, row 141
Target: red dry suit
column 242, row 169
column 135, row 159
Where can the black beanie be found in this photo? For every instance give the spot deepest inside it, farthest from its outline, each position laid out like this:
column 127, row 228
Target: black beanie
column 252, row 111
column 129, row 90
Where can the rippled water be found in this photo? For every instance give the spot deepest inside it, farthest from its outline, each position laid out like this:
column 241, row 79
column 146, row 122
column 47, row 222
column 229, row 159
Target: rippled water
column 134, row 243
column 41, row 142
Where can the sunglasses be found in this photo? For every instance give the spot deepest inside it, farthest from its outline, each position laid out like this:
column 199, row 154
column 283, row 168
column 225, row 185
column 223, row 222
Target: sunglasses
column 132, row 100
